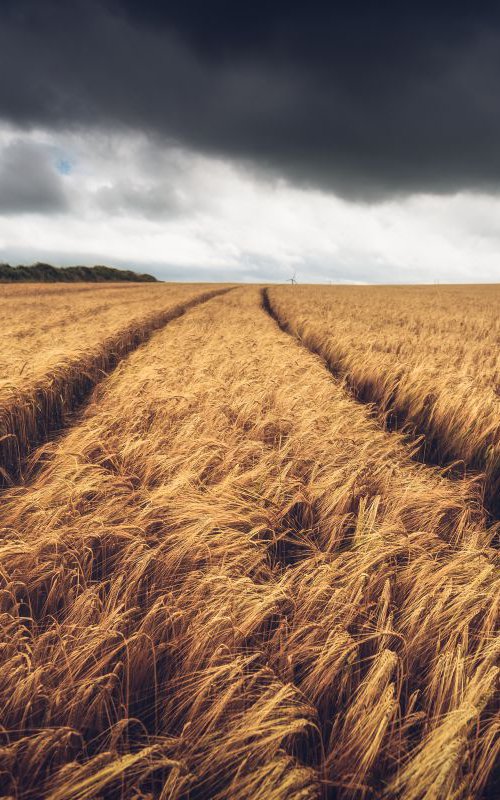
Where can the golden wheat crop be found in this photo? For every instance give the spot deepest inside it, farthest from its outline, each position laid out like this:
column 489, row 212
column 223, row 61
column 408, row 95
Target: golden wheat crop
column 228, row 580
column 56, row 350
column 428, row 357
column 43, row 325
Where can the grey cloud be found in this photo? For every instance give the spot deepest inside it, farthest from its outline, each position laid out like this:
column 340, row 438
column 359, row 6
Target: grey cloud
column 152, row 201
column 28, row 181
column 369, row 99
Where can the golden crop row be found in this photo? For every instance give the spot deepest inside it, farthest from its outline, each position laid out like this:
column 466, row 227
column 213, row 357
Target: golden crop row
column 230, row 582
column 44, row 325
column 39, row 400
column 428, row 357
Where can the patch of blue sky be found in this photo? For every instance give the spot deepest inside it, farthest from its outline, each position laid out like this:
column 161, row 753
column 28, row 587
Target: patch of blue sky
column 64, row 166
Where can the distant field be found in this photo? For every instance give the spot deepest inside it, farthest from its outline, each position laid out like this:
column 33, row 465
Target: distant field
column 57, row 342
column 428, row 358
column 249, row 542
column 45, row 325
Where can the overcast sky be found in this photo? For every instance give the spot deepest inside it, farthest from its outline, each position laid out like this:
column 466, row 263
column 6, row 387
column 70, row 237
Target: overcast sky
column 352, row 142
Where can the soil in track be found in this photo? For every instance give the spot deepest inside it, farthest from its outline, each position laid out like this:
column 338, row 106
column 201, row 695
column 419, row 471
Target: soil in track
column 230, row 582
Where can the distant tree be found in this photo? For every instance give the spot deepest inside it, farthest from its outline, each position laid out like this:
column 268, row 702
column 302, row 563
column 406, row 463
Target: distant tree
column 46, row 273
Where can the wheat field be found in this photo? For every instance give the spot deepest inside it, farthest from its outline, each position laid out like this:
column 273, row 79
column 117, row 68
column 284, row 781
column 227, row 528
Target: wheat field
column 428, row 358
column 249, row 543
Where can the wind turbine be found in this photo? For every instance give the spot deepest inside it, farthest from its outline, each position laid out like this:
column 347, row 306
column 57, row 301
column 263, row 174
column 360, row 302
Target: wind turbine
column 293, row 279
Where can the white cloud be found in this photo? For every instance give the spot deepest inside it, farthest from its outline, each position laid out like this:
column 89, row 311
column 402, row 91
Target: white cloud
column 131, row 201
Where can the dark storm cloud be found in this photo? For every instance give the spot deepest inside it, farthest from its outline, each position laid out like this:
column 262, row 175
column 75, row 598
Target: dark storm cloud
column 362, row 98
column 28, row 181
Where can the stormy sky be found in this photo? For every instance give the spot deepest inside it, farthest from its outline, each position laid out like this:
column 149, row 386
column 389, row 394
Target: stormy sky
column 353, row 142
